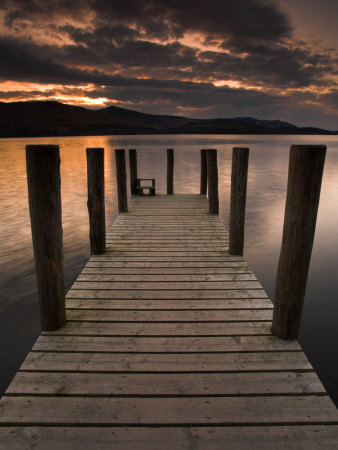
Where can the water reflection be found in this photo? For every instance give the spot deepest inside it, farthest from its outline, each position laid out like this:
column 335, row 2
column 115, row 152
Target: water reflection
column 267, row 180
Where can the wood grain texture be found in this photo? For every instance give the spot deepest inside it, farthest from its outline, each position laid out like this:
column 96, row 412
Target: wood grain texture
column 304, row 437
column 239, row 178
column 121, row 180
column 96, row 204
column 273, row 361
column 44, row 195
column 170, row 171
column 306, row 165
column 204, row 173
column 73, row 411
column 212, row 181
column 168, row 345
column 133, row 171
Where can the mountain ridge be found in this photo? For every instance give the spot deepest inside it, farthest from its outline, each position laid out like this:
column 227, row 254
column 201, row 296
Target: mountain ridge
column 52, row 118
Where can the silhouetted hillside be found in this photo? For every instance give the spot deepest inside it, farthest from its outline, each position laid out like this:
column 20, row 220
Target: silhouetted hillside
column 50, row 118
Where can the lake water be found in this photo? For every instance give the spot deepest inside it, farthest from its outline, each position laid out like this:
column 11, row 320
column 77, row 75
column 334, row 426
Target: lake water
column 268, row 166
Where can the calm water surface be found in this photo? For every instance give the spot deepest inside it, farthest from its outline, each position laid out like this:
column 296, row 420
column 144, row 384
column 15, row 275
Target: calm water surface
column 268, row 165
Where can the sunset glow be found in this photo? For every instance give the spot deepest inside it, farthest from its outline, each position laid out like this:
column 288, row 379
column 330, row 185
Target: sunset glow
column 253, row 57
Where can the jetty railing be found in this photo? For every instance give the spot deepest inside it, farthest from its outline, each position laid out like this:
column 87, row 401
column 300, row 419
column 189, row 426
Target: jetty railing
column 304, row 183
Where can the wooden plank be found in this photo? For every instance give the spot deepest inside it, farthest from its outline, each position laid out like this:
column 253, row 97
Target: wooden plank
column 72, row 411
column 166, row 362
column 174, row 304
column 168, row 264
column 168, row 294
column 167, row 278
column 163, row 344
column 199, row 384
column 170, row 316
column 305, row 437
column 164, row 271
column 115, row 246
column 164, row 329
column 149, row 238
column 142, row 259
column 167, row 285
column 161, row 253
column 167, row 332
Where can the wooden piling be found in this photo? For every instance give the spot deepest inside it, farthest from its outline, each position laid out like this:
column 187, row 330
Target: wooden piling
column 304, row 182
column 44, row 194
column 121, row 180
column 133, row 171
column 212, row 181
column 239, row 177
column 170, row 171
column 96, row 206
column 204, row 173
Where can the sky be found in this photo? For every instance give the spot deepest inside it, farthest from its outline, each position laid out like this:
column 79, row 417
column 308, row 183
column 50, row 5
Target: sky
column 269, row 59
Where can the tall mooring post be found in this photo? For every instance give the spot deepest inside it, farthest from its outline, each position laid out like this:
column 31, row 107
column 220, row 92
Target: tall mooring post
column 204, row 173
column 133, row 171
column 96, row 206
column 212, row 181
column 170, row 171
column 306, row 165
column 239, row 177
column 121, row 180
column 44, row 195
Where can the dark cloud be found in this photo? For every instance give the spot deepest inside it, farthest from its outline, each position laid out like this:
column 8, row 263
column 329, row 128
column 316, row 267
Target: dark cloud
column 130, row 51
column 260, row 19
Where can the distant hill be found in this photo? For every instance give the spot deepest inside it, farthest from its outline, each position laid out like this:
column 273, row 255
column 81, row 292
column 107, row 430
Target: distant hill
column 50, row 118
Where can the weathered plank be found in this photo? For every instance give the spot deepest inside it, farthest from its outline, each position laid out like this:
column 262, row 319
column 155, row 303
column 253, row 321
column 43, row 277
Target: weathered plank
column 103, row 384
column 82, row 328
column 170, row 316
column 166, row 362
column 165, row 272
column 109, row 275
column 163, row 344
column 168, row 294
column 72, row 411
column 305, row 437
column 166, row 285
column 174, row 304
column 167, row 332
column 168, row 264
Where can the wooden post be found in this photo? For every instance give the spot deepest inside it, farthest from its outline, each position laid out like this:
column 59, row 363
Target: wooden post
column 204, row 173
column 96, row 206
column 133, row 170
column 121, row 180
column 239, row 177
column 212, row 181
column 304, row 182
column 44, row 195
column 170, row 171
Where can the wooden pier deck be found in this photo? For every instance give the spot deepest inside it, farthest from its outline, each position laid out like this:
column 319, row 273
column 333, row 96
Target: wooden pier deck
column 167, row 346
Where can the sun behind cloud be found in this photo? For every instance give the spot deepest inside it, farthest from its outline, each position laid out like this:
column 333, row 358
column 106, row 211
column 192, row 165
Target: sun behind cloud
column 219, row 59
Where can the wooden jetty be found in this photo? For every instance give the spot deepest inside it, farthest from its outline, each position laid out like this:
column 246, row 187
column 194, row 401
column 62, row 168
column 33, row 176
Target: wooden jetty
column 167, row 345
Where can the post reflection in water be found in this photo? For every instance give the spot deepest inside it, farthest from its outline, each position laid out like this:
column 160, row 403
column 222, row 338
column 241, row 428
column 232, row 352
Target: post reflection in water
column 267, row 180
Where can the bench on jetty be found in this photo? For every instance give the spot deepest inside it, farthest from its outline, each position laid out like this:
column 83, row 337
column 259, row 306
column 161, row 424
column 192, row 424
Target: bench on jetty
column 148, row 187
column 167, row 344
